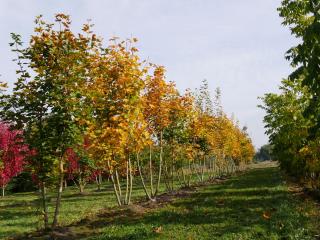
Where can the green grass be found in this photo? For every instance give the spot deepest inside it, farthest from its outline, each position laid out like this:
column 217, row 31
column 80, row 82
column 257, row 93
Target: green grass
column 230, row 210
column 19, row 213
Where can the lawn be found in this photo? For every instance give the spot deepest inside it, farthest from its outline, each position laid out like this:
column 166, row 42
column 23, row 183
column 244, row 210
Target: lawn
column 254, row 205
column 19, row 213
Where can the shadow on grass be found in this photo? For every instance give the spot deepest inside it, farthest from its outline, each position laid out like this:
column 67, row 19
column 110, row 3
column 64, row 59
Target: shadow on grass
column 254, row 206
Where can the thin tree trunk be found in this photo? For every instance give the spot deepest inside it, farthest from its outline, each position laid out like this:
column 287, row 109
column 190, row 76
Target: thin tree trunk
column 172, row 169
column 203, row 167
column 160, row 163
column 130, row 181
column 81, row 188
column 81, row 183
column 3, row 189
column 142, row 179
column 184, row 177
column 118, row 184
column 197, row 171
column 210, row 168
column 115, row 189
column 114, row 184
column 126, row 199
column 58, row 201
column 190, row 173
column 44, row 205
column 98, row 181
column 151, row 173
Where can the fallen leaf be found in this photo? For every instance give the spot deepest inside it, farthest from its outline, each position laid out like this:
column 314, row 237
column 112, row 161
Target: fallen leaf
column 157, row 229
column 266, row 215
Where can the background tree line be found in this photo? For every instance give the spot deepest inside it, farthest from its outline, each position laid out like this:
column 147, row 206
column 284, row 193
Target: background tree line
column 292, row 117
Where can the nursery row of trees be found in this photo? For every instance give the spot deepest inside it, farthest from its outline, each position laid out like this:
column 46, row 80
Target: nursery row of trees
column 84, row 111
column 293, row 115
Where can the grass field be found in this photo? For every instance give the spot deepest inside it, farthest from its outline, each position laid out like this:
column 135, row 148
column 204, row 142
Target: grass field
column 19, row 212
column 232, row 210
column 254, row 205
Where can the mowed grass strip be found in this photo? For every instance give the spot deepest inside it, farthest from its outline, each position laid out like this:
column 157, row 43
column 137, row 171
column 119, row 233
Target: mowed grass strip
column 20, row 212
column 256, row 205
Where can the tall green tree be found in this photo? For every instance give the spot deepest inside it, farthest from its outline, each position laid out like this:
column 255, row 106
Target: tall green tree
column 286, row 125
column 303, row 18
column 48, row 101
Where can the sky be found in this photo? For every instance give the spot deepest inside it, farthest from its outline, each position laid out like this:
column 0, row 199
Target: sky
column 238, row 46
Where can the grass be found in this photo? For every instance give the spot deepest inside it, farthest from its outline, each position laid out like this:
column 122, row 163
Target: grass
column 233, row 210
column 19, row 213
column 230, row 210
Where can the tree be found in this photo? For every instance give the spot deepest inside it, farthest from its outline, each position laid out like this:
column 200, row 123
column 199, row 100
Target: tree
column 303, row 18
column 80, row 167
column 48, row 101
column 117, row 83
column 264, row 153
column 286, row 125
column 12, row 154
column 3, row 87
column 292, row 117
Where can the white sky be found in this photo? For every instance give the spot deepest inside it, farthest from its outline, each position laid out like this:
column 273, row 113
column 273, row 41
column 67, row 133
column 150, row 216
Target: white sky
column 236, row 45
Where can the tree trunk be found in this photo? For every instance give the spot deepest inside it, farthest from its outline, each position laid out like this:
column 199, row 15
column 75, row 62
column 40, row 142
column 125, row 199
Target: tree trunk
column 3, row 188
column 81, row 183
column 114, row 184
column 184, row 178
column 44, row 205
column 130, row 181
column 58, row 201
column 172, row 168
column 210, row 168
column 81, row 188
column 151, row 173
column 126, row 199
column 118, row 184
column 98, row 181
column 190, row 173
column 142, row 179
column 202, row 168
column 115, row 189
column 160, row 163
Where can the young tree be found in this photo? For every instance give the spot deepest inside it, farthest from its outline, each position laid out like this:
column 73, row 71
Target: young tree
column 12, row 154
column 286, row 125
column 116, row 88
column 48, row 101
column 80, row 167
column 156, row 99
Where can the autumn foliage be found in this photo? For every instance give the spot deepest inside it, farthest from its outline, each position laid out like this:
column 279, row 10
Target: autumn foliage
column 89, row 109
column 13, row 154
